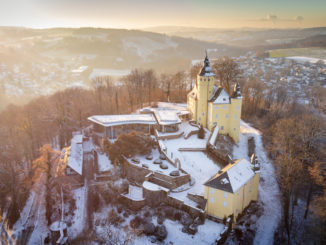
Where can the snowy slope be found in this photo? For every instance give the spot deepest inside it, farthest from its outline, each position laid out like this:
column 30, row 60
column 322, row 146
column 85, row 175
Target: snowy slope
column 269, row 193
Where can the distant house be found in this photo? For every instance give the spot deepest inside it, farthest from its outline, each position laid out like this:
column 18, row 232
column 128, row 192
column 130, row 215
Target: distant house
column 232, row 189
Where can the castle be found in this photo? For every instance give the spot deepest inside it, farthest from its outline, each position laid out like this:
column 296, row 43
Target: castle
column 210, row 105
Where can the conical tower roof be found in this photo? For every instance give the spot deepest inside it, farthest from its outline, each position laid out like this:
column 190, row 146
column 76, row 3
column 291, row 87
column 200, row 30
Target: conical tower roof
column 206, row 71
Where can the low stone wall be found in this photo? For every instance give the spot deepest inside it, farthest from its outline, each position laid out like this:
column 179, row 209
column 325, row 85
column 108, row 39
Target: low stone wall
column 174, row 182
column 138, row 174
column 168, row 136
column 192, row 211
column 132, row 204
column 134, row 173
column 154, row 198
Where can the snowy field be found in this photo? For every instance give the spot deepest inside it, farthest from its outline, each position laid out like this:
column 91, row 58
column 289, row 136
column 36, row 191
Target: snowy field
column 269, row 193
column 303, row 59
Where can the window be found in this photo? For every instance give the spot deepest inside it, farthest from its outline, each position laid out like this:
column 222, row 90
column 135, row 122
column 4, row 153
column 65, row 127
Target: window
column 233, row 129
column 212, row 199
column 216, row 107
column 222, row 127
column 238, row 108
column 199, row 118
column 226, row 115
column 208, row 79
column 225, row 203
column 224, row 107
column 225, row 194
column 216, row 116
column 203, row 114
column 235, row 116
column 212, row 191
column 238, row 193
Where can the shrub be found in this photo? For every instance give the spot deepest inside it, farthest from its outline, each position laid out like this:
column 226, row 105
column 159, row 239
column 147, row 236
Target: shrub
column 201, row 132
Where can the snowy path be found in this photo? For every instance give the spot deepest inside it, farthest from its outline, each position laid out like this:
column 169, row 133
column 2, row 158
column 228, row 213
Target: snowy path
column 269, row 193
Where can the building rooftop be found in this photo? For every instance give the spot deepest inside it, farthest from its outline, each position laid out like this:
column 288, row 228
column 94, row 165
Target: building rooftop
column 220, row 96
column 75, row 159
column 232, row 177
column 115, row 120
column 206, row 71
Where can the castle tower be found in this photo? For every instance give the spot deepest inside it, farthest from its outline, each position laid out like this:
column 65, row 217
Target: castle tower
column 205, row 84
column 236, row 103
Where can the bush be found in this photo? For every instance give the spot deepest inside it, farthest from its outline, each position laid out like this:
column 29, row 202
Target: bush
column 177, row 216
column 161, row 232
column 149, row 228
column 130, row 145
column 160, row 219
column 136, row 222
column 201, row 132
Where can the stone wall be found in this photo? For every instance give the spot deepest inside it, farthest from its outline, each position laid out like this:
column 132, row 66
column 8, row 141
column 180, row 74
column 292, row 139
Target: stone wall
column 132, row 204
column 179, row 204
column 134, row 173
column 174, row 182
column 138, row 174
column 154, row 198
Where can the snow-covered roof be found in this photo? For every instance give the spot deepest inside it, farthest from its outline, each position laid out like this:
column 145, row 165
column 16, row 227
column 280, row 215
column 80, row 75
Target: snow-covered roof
column 135, row 193
column 166, row 117
column 206, row 71
column 220, row 96
column 212, row 140
column 75, row 160
column 115, row 120
column 232, row 177
column 167, row 113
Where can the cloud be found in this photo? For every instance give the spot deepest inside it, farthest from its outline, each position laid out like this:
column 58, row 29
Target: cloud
column 298, row 19
column 271, row 17
column 274, row 18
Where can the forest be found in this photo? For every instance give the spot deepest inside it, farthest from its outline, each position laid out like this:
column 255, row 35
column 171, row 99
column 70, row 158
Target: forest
column 294, row 136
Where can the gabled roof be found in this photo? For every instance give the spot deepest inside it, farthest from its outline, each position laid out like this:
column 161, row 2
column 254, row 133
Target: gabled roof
column 220, row 96
column 232, row 177
column 75, row 159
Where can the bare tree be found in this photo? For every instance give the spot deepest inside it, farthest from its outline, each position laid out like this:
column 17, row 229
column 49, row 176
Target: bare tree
column 226, row 70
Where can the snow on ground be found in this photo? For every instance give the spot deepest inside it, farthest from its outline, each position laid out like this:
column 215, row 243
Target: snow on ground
column 269, row 193
column 173, row 145
column 207, row 234
column 78, row 220
column 104, row 163
column 150, row 163
column 304, row 59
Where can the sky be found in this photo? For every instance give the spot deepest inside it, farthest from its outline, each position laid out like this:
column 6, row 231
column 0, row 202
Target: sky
column 135, row 14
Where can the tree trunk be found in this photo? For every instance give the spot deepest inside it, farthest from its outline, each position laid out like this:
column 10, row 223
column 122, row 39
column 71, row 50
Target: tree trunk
column 308, row 200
